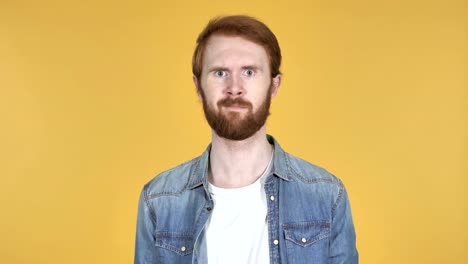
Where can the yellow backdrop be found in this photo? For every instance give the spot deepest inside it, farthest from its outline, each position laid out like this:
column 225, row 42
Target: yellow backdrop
column 97, row 98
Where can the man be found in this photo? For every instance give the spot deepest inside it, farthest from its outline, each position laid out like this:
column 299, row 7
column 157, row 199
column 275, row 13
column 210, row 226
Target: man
column 244, row 200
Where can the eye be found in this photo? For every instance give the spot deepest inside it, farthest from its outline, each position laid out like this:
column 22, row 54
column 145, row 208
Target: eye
column 249, row 72
column 221, row 73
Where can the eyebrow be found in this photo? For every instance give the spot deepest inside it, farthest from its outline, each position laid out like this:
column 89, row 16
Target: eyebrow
column 217, row 68
column 221, row 68
column 252, row 67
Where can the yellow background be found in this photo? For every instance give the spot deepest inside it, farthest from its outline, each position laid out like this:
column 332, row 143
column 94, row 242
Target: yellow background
column 97, row 98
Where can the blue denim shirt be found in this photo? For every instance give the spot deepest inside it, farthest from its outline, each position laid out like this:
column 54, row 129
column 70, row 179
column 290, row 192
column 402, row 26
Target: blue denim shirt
column 309, row 215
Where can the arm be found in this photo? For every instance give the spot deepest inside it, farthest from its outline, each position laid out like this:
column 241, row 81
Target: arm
column 145, row 251
column 343, row 241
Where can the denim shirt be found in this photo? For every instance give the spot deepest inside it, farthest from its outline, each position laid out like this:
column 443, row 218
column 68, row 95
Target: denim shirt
column 309, row 215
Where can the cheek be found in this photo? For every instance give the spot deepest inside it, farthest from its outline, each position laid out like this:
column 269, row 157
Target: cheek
column 260, row 90
column 212, row 97
column 212, row 87
column 260, row 98
column 209, row 99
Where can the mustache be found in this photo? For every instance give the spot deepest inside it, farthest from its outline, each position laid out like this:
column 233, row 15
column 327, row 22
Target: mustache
column 234, row 101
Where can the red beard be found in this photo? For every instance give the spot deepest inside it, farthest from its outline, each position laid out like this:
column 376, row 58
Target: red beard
column 236, row 125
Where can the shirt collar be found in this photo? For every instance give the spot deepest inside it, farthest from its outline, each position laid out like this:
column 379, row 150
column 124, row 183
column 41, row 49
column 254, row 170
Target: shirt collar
column 280, row 166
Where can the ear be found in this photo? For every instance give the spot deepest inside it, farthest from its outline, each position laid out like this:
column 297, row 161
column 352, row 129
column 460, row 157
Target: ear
column 197, row 86
column 276, row 84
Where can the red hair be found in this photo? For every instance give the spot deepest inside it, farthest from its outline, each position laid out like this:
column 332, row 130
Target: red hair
column 242, row 26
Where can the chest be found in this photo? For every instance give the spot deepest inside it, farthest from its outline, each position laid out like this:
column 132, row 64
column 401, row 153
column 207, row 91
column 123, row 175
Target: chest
column 296, row 224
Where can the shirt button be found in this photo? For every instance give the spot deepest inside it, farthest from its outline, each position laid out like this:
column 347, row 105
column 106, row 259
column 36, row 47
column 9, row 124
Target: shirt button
column 275, row 242
column 303, row 240
column 272, row 198
column 183, row 249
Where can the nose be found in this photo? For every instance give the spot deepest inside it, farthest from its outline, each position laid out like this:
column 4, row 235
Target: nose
column 235, row 87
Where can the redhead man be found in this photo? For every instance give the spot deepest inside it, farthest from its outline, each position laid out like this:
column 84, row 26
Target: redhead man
column 244, row 200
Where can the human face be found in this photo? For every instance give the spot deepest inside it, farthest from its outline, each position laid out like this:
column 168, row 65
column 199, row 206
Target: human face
column 235, row 86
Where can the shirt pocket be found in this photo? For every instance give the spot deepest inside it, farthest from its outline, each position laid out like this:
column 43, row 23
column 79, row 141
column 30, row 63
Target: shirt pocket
column 307, row 242
column 174, row 247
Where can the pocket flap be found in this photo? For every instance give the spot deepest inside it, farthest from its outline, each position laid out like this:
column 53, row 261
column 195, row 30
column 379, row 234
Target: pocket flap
column 306, row 233
column 180, row 243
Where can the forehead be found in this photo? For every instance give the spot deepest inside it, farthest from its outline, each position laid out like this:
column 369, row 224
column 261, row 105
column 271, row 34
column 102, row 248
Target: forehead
column 231, row 51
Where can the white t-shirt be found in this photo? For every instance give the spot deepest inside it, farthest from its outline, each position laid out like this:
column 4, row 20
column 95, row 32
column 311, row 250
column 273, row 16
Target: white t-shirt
column 237, row 231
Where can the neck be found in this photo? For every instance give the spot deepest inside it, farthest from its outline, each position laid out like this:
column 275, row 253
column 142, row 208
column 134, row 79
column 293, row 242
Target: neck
column 235, row 164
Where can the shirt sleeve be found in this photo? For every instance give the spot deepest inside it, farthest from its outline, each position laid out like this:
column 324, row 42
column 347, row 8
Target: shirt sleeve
column 343, row 241
column 145, row 250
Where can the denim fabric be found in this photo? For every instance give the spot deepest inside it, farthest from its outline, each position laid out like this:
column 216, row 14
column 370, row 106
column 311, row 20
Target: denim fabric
column 309, row 215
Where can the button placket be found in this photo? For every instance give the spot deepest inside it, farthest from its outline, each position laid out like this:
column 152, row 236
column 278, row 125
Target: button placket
column 271, row 191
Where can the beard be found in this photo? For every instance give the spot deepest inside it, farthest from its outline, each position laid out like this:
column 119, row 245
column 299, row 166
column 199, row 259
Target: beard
column 236, row 125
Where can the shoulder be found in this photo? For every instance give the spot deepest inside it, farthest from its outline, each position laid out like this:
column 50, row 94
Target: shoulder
column 172, row 181
column 306, row 172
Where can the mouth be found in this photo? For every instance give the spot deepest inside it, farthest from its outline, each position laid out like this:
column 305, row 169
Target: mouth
column 236, row 107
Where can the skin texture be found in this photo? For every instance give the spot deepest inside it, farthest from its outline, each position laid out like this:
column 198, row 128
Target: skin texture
column 236, row 84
